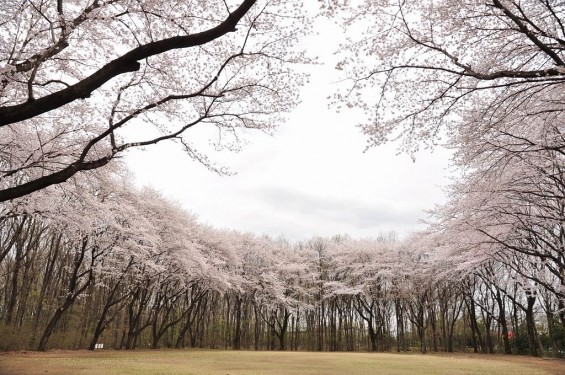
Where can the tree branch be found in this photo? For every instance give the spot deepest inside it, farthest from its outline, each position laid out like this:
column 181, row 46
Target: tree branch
column 124, row 64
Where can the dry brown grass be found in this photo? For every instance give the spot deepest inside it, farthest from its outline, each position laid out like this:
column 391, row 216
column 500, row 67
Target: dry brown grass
column 216, row 362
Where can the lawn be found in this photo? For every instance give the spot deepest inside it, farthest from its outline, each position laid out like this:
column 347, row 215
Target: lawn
column 216, row 362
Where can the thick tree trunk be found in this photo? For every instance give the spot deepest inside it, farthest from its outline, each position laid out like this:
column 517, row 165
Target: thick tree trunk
column 373, row 337
column 422, row 336
column 531, row 328
column 49, row 329
column 283, row 328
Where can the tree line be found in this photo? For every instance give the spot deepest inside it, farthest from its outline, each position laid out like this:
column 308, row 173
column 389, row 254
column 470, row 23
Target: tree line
column 139, row 272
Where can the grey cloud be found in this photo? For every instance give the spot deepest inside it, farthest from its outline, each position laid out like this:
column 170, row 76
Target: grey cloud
column 342, row 210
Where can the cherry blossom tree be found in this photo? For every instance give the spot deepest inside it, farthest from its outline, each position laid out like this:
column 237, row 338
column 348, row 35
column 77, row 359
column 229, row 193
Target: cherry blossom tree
column 506, row 210
column 365, row 275
column 424, row 70
column 82, row 82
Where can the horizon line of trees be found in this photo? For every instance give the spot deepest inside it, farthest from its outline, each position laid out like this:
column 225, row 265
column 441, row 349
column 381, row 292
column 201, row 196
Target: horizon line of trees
column 139, row 272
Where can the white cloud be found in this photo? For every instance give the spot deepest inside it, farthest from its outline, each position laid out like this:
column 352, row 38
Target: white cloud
column 311, row 178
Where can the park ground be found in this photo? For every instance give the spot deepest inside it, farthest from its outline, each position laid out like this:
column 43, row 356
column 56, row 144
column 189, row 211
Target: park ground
column 219, row 362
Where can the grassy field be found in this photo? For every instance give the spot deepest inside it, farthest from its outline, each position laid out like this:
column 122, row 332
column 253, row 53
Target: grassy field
column 216, row 362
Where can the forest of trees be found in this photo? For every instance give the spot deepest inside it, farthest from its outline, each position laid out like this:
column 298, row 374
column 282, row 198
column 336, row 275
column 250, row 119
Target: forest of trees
column 139, row 272
column 86, row 257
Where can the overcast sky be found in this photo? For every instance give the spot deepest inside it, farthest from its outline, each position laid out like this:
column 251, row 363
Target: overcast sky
column 312, row 178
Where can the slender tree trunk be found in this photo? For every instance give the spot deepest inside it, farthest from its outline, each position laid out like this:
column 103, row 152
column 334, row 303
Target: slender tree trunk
column 15, row 273
column 237, row 334
column 503, row 324
column 102, row 320
column 72, row 292
column 489, row 347
column 56, row 317
column 433, row 326
column 321, row 327
column 399, row 326
column 52, row 256
column 257, row 331
column 475, row 331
